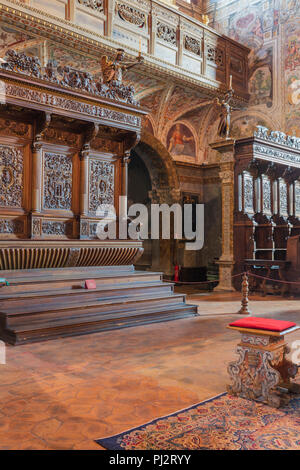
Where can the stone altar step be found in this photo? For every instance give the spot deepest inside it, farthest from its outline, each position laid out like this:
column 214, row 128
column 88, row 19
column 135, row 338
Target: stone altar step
column 48, row 306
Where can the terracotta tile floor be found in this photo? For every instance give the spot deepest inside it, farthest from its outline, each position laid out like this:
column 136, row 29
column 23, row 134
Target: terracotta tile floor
column 63, row 394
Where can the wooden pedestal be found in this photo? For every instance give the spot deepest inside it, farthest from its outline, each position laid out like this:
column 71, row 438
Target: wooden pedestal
column 262, row 371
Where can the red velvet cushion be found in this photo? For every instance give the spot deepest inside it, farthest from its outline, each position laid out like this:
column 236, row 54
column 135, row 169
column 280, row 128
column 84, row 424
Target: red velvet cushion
column 263, row 324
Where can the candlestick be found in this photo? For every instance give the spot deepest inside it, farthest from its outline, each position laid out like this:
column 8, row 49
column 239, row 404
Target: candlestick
column 230, row 82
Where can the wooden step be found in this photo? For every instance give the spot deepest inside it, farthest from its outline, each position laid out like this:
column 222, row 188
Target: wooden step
column 66, row 310
column 42, row 332
column 101, row 292
column 47, row 304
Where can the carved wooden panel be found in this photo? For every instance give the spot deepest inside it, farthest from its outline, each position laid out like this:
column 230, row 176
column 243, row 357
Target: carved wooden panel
column 57, row 181
column 101, row 183
column 11, row 176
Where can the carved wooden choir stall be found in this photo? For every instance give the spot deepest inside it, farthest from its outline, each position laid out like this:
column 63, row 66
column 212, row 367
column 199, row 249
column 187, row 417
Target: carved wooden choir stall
column 267, row 206
column 64, row 146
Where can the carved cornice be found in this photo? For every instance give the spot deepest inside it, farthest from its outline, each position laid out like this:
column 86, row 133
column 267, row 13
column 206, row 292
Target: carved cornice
column 53, row 99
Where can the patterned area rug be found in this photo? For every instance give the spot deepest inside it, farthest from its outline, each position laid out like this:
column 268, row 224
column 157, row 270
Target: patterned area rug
column 223, row 422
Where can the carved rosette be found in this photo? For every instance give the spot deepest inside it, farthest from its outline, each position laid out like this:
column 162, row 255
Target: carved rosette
column 11, row 177
column 101, row 184
column 57, row 181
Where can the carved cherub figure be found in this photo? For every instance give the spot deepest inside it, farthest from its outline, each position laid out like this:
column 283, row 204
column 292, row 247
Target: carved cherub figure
column 112, row 70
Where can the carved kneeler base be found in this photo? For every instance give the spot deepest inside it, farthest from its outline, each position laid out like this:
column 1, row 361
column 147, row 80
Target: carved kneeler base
column 262, row 371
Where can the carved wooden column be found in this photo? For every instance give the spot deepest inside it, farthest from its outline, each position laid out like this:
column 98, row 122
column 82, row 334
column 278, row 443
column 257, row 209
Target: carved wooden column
column 226, row 261
column 84, row 182
column 37, row 156
column 125, row 163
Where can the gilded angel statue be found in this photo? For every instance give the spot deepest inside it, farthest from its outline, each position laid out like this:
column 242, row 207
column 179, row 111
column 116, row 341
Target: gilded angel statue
column 112, row 70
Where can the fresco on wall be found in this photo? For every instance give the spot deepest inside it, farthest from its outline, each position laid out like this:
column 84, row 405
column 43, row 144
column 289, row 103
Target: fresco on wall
column 147, row 125
column 180, row 141
column 261, row 78
column 246, row 125
column 266, row 26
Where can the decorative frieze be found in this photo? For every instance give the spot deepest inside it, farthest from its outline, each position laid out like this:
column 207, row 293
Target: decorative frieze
column 192, row 45
column 101, row 184
column 57, row 181
column 131, row 15
column 11, row 177
column 166, row 33
column 279, row 155
column 60, row 102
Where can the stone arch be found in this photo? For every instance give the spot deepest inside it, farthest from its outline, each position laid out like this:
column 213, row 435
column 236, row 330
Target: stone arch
column 161, row 167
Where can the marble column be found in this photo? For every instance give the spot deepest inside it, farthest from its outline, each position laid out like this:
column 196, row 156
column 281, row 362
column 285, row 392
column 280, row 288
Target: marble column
column 225, row 149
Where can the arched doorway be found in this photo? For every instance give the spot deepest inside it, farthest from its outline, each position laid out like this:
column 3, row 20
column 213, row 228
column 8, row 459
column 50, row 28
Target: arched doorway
column 153, row 179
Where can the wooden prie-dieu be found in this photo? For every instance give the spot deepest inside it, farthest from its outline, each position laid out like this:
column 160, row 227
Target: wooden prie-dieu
column 65, row 141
